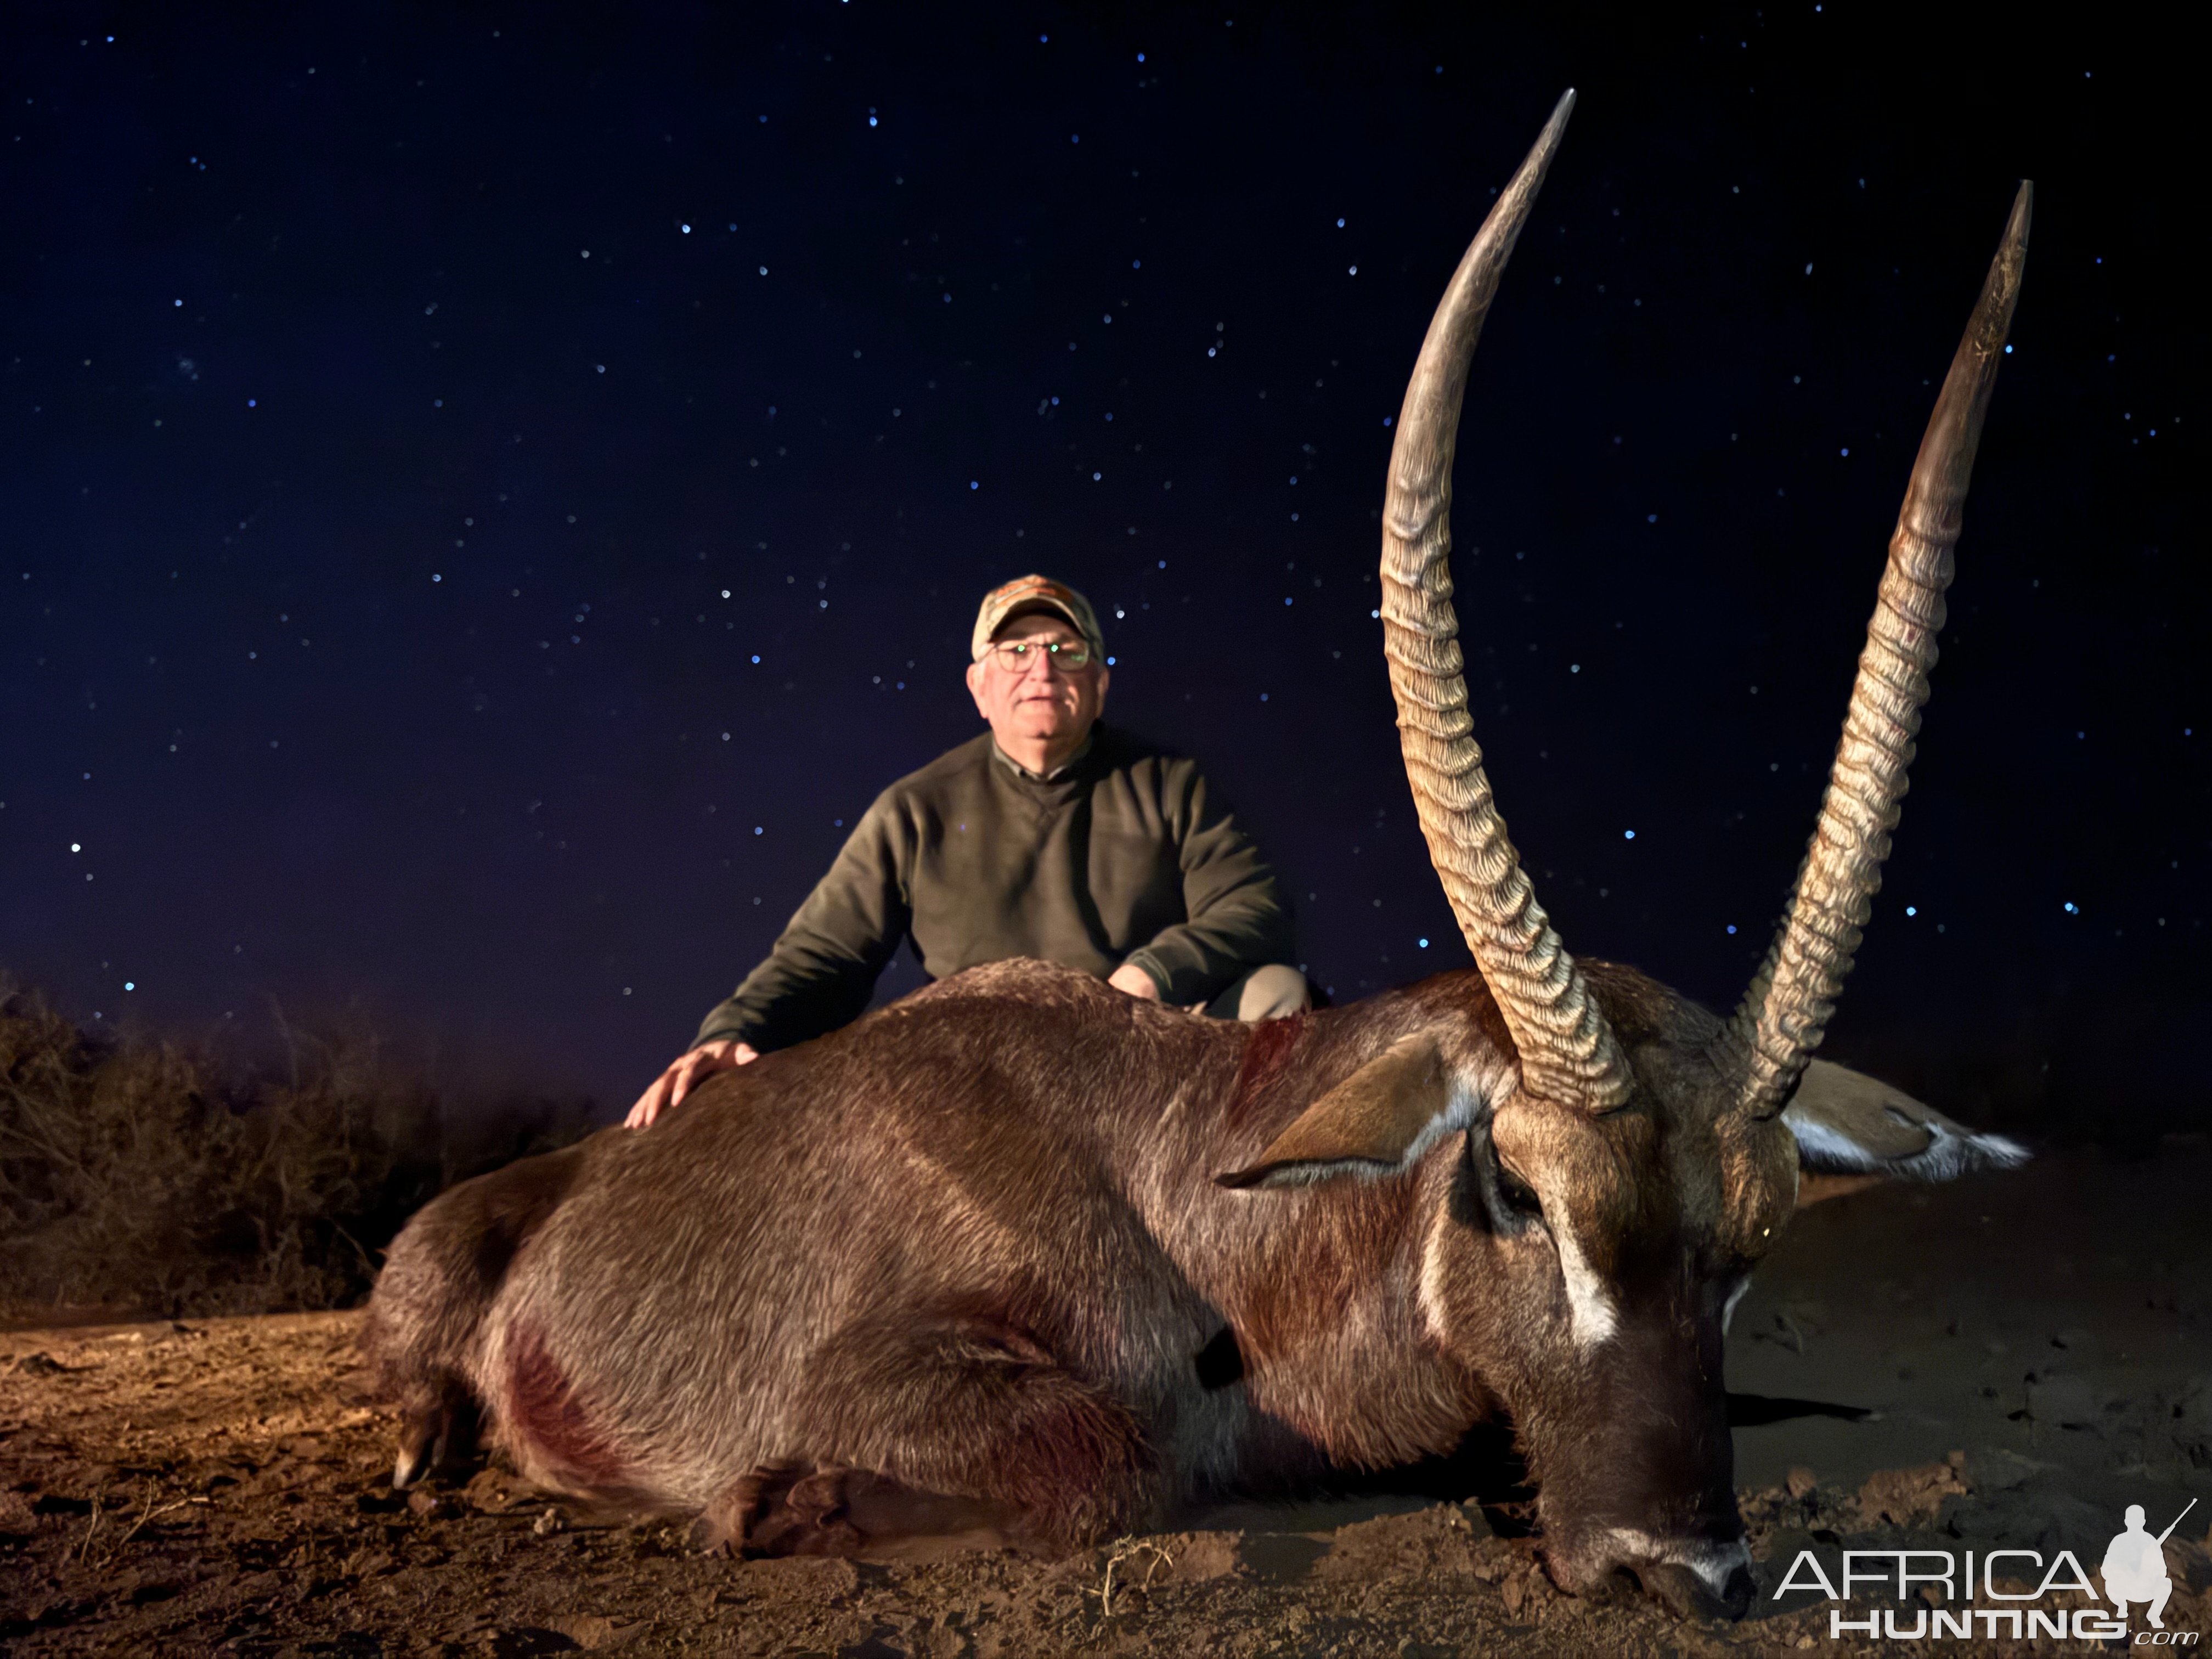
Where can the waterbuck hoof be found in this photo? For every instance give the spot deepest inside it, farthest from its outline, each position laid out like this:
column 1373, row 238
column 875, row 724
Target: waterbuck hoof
column 418, row 1448
column 436, row 1439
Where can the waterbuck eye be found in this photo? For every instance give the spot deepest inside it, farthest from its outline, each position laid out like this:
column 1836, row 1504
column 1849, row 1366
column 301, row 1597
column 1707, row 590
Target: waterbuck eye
column 1520, row 1197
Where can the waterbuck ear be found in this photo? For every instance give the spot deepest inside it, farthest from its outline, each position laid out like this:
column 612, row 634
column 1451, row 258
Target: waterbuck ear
column 1852, row 1130
column 1379, row 1120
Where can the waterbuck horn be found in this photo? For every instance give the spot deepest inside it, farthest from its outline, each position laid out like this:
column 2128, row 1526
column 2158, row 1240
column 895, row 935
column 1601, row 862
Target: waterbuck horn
column 1567, row 1051
column 1785, row 1012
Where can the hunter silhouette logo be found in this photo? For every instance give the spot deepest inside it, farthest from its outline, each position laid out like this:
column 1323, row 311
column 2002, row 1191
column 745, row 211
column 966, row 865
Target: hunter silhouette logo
column 2135, row 1566
column 2134, row 1570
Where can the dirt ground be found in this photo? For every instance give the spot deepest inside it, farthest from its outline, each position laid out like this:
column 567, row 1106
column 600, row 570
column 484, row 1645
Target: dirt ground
column 2036, row 1349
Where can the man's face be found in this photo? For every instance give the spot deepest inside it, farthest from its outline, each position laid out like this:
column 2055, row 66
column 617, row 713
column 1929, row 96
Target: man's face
column 1038, row 702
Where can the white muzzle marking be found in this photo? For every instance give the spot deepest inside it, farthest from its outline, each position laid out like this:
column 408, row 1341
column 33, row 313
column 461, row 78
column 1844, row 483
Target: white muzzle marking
column 1712, row 1563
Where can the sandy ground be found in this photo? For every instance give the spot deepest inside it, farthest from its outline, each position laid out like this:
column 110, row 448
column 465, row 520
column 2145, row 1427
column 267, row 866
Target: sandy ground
column 2037, row 1347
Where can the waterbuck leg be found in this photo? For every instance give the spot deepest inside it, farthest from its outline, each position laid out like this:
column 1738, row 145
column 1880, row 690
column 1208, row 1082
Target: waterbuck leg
column 800, row 1509
column 438, row 1428
column 970, row 1425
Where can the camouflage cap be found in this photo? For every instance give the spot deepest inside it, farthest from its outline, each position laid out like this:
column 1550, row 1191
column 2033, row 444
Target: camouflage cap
column 1034, row 593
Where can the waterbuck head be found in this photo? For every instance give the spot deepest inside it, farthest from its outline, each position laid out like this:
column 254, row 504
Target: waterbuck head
column 1630, row 1157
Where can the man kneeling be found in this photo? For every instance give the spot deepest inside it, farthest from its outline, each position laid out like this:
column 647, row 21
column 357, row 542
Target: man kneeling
column 1052, row 836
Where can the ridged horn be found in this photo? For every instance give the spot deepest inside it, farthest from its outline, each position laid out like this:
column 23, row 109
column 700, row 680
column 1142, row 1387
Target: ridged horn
column 1786, row 1011
column 1567, row 1051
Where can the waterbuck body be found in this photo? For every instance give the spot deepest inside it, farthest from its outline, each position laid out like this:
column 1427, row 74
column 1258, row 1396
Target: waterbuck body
column 976, row 1249
column 976, row 1242
column 1021, row 1254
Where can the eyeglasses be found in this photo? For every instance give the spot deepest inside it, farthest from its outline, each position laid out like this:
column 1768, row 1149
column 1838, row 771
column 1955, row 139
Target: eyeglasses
column 1016, row 655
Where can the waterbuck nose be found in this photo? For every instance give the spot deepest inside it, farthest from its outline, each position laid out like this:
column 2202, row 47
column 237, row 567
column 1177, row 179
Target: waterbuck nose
column 1714, row 1590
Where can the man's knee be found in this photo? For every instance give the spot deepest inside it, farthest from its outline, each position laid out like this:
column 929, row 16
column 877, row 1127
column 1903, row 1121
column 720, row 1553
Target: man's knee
column 1273, row 992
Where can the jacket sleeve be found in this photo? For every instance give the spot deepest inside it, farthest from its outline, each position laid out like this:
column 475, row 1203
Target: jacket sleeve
column 1235, row 916
column 824, row 967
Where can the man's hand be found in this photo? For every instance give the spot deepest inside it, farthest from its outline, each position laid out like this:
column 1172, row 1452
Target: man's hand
column 668, row 1090
column 1134, row 981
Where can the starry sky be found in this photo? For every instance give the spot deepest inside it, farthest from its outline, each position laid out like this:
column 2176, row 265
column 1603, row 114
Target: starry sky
column 492, row 492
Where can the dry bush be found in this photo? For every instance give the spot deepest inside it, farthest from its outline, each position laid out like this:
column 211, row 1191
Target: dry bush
column 145, row 1176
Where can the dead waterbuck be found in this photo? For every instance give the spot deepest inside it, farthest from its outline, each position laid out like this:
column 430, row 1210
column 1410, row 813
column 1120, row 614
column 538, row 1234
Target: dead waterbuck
column 1020, row 1253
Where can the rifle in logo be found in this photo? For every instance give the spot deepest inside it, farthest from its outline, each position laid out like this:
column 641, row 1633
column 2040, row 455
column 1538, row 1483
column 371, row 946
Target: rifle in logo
column 2135, row 1565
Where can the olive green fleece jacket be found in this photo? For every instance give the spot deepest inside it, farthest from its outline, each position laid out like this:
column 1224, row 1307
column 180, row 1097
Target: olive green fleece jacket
column 1125, row 855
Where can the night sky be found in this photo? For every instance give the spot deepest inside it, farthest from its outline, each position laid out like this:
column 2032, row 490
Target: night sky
column 491, row 493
